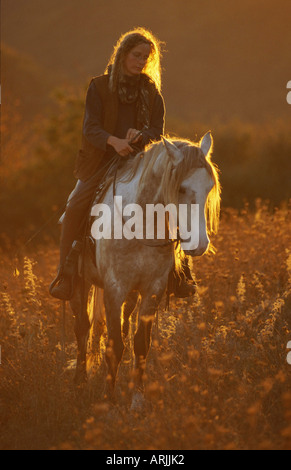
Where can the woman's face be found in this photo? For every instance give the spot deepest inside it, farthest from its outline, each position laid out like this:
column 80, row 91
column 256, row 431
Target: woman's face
column 136, row 59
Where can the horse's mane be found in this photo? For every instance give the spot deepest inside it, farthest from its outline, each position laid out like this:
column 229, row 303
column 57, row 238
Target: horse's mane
column 155, row 158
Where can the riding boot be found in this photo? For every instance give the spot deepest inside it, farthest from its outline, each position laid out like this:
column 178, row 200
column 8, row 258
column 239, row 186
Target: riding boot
column 63, row 286
column 182, row 285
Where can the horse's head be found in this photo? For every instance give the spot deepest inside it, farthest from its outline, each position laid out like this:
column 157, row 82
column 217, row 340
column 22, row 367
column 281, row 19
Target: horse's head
column 195, row 188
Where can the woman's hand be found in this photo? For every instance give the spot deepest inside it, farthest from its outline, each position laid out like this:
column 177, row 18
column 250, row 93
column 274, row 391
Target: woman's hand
column 121, row 146
column 131, row 133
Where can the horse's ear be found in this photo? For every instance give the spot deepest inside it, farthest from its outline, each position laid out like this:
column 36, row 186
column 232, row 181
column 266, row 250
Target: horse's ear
column 173, row 151
column 206, row 143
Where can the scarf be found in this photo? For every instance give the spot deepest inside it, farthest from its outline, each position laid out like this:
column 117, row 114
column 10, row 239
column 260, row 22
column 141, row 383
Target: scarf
column 134, row 90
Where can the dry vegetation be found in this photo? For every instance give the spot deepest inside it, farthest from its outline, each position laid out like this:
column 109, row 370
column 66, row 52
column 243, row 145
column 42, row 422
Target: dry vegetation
column 217, row 374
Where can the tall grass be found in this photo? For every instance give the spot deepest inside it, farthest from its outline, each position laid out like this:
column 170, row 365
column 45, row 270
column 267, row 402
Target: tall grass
column 217, row 375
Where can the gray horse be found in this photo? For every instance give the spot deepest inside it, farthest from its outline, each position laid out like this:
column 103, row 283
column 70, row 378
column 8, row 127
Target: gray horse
column 129, row 265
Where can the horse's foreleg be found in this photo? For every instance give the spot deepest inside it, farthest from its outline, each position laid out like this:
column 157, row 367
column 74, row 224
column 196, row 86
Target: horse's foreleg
column 82, row 327
column 128, row 308
column 142, row 337
column 115, row 347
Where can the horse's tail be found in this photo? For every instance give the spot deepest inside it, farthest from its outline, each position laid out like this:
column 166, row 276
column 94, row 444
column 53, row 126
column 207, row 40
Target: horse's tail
column 96, row 312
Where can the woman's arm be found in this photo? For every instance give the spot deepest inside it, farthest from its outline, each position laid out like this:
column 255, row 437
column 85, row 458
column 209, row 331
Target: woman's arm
column 157, row 124
column 92, row 125
column 121, row 146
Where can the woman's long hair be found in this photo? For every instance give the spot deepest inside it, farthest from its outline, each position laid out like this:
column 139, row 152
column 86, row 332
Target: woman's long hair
column 125, row 43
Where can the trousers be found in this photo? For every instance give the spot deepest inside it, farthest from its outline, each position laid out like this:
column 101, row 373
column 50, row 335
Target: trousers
column 77, row 210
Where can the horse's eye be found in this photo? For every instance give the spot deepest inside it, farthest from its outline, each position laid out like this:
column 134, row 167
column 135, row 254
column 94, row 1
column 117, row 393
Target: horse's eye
column 182, row 191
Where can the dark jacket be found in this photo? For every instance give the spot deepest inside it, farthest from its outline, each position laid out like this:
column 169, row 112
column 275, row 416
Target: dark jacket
column 103, row 115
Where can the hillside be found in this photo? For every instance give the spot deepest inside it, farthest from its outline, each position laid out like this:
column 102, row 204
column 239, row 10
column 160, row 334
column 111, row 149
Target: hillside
column 26, row 86
column 223, row 60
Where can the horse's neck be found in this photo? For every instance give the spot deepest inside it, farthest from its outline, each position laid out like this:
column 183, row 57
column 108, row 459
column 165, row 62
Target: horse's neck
column 133, row 192
column 129, row 190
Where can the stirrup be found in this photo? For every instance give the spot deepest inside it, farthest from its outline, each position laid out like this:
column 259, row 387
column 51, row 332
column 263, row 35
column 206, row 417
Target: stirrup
column 57, row 279
column 181, row 287
column 184, row 289
column 62, row 287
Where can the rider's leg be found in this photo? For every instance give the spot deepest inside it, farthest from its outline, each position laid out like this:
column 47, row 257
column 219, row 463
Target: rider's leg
column 73, row 226
column 74, row 221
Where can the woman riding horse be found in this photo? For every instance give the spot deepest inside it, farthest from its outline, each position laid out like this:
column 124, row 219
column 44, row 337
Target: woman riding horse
column 124, row 112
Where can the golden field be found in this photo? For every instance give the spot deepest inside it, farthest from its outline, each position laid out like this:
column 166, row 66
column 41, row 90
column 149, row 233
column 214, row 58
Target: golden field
column 217, row 372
